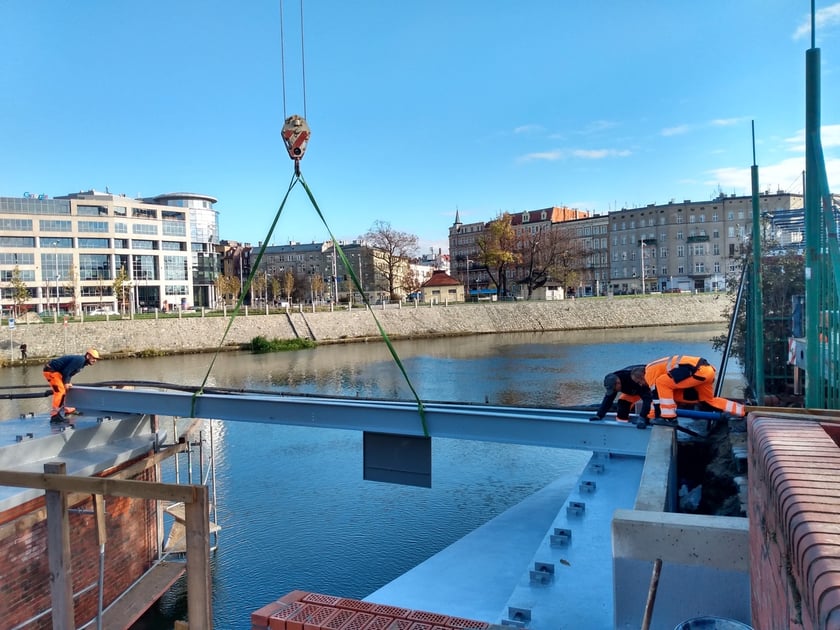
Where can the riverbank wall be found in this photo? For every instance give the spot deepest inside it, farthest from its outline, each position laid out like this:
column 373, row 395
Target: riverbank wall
column 204, row 332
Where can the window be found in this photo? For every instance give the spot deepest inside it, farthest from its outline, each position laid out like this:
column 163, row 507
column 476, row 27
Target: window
column 144, row 213
column 144, row 228
column 93, row 226
column 143, row 244
column 94, row 267
column 174, row 228
column 680, row 235
column 121, row 228
column 174, row 246
column 663, row 252
column 680, row 269
column 120, row 211
column 175, row 289
column 10, row 258
column 120, row 243
column 17, row 241
column 92, row 211
column 17, row 225
column 699, row 267
column 717, row 267
column 716, row 249
column 175, row 267
column 53, row 225
column 94, row 243
column 680, row 251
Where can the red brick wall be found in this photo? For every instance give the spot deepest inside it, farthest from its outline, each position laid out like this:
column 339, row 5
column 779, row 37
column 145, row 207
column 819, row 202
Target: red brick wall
column 130, row 548
column 794, row 512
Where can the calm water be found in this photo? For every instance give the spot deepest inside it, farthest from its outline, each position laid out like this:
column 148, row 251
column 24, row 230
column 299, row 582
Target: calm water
column 294, row 510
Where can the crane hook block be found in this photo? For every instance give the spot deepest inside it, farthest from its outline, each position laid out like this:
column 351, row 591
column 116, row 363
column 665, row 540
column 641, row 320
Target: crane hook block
column 296, row 136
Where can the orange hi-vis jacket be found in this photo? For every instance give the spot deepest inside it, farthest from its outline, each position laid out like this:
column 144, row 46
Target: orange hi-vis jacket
column 670, row 376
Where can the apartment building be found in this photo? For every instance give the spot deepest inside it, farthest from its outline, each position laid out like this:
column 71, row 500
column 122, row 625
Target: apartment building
column 688, row 246
column 68, row 251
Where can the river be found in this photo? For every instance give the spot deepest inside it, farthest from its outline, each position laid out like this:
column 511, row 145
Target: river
column 294, row 510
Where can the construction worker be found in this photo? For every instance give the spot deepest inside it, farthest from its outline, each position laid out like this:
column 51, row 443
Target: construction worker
column 685, row 379
column 59, row 372
column 630, row 386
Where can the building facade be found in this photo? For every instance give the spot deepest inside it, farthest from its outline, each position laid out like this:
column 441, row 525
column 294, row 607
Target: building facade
column 91, row 250
column 689, row 246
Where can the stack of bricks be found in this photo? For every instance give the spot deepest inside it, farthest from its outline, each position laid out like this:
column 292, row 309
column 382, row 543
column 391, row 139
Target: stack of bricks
column 301, row 610
column 794, row 512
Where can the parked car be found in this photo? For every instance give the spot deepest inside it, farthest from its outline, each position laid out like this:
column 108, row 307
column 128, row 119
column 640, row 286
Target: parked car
column 103, row 311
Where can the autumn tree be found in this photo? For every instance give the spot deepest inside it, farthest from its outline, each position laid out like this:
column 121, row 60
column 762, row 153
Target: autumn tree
column 20, row 292
column 121, row 286
column 317, row 285
column 259, row 285
column 498, row 251
column 392, row 251
column 288, row 284
column 227, row 287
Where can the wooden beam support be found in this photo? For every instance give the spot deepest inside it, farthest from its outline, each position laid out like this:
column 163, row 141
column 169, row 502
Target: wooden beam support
column 57, row 485
column 199, row 601
column 58, row 550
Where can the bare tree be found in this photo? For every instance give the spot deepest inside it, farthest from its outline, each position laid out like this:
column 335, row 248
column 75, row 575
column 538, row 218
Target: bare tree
column 552, row 253
column 392, row 250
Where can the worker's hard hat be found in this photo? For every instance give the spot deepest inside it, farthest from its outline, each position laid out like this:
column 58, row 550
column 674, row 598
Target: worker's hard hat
column 93, row 352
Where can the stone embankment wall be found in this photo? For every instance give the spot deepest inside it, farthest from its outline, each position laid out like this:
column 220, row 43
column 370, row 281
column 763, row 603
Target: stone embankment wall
column 194, row 333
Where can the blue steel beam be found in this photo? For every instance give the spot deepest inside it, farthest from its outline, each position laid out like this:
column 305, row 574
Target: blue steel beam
column 557, row 428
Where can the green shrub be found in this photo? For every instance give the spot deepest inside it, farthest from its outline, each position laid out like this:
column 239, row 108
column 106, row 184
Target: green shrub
column 262, row 345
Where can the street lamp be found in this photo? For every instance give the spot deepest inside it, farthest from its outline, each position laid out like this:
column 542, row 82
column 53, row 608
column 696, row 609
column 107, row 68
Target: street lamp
column 469, row 267
column 57, row 276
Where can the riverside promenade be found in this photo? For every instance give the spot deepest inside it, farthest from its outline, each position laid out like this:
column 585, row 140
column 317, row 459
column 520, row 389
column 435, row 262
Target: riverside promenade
column 195, row 332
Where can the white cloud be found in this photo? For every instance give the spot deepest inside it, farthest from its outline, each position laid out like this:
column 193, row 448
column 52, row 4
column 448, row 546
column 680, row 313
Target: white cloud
column 725, row 122
column 675, row 131
column 597, row 154
column 829, row 137
column 824, row 19
column 549, row 156
column 528, row 129
column 561, row 154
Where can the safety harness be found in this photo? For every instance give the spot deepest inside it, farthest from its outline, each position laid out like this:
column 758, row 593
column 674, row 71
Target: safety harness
column 679, row 369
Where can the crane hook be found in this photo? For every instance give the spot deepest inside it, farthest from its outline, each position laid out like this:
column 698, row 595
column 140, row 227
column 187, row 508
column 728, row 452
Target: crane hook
column 296, row 136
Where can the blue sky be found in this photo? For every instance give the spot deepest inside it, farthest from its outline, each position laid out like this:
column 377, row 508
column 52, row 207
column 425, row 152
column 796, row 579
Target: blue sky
column 417, row 108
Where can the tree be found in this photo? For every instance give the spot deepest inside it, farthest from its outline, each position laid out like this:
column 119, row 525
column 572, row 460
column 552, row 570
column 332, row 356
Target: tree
column 391, row 250
column 783, row 277
column 569, row 257
column 288, row 284
column 20, row 292
column 227, row 287
column 497, row 251
column 317, row 284
column 121, row 286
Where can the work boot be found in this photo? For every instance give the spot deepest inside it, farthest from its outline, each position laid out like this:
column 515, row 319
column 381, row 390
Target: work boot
column 57, row 417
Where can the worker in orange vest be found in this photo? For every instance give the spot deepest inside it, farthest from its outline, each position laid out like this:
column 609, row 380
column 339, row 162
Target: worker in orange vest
column 58, row 373
column 685, row 379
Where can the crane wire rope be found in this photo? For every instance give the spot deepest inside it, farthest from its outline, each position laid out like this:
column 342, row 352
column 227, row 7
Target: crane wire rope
column 296, row 136
column 283, row 59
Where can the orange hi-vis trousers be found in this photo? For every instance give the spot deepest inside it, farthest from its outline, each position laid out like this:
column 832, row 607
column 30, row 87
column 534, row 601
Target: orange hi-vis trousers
column 669, row 392
column 58, row 388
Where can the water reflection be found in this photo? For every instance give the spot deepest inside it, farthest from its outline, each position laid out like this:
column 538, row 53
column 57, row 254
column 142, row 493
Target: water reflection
column 294, row 510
